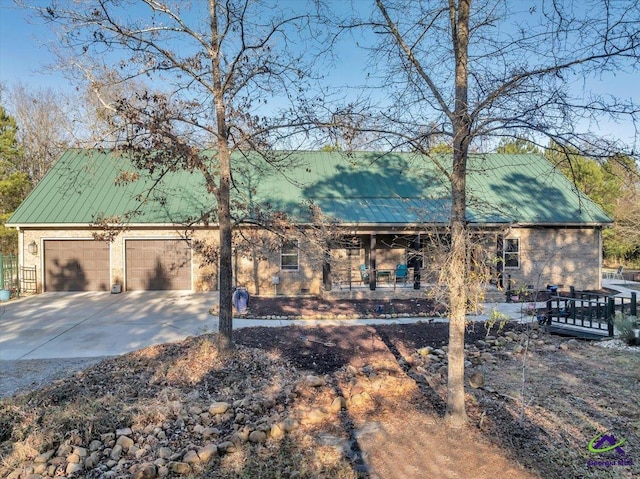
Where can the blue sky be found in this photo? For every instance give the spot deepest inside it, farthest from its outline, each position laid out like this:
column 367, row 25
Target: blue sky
column 24, row 58
column 22, row 54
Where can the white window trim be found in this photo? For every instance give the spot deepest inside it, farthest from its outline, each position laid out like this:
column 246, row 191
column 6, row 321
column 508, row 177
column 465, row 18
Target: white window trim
column 296, row 254
column 516, row 253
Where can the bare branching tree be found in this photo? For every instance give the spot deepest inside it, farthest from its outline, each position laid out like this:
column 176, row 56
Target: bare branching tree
column 477, row 72
column 179, row 78
column 44, row 127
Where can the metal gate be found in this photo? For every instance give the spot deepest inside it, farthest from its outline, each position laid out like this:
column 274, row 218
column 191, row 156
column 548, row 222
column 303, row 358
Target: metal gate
column 9, row 273
column 28, row 279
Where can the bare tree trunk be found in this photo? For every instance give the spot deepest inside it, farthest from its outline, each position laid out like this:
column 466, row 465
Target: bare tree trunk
column 225, row 326
column 456, row 414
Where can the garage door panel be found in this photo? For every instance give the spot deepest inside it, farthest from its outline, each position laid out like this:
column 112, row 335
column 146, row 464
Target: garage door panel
column 158, row 265
column 76, row 265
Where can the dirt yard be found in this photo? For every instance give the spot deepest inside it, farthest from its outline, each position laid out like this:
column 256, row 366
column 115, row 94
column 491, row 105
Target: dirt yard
column 311, row 306
column 365, row 401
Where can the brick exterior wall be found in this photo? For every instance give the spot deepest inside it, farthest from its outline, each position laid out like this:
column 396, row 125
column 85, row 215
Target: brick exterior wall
column 257, row 263
column 569, row 257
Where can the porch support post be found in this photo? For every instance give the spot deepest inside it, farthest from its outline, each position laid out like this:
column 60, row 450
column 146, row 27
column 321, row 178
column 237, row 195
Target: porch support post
column 372, row 264
column 417, row 262
column 326, row 270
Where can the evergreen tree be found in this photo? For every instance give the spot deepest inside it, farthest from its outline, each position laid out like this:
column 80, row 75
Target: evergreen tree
column 512, row 146
column 613, row 184
column 14, row 185
column 9, row 148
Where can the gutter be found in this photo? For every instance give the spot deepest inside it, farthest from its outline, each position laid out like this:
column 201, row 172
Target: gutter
column 19, row 226
column 91, row 226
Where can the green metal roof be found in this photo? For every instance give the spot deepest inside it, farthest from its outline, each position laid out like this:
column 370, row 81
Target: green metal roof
column 354, row 188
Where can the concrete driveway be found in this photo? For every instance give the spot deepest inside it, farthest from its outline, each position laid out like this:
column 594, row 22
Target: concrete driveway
column 90, row 325
column 81, row 325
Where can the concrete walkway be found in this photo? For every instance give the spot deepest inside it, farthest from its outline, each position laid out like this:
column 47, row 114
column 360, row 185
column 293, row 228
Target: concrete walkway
column 84, row 325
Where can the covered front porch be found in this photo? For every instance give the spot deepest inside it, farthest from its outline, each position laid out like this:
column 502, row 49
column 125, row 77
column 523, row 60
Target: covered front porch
column 383, row 291
column 375, row 260
column 393, row 264
column 387, row 291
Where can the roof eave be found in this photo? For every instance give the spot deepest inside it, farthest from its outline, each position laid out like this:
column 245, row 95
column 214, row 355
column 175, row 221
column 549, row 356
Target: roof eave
column 589, row 224
column 93, row 226
column 341, row 225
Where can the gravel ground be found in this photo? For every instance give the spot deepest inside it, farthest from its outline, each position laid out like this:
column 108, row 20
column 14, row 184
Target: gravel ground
column 618, row 344
column 28, row 374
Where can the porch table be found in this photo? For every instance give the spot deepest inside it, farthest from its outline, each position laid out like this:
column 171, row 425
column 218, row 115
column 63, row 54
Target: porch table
column 384, row 273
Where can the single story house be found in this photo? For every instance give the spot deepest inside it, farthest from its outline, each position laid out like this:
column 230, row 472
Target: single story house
column 334, row 219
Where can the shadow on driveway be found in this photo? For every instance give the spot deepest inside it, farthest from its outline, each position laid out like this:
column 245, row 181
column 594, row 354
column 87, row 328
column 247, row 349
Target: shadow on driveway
column 80, row 325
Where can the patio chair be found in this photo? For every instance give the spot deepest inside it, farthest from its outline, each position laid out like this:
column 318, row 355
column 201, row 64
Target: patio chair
column 364, row 273
column 402, row 273
column 618, row 274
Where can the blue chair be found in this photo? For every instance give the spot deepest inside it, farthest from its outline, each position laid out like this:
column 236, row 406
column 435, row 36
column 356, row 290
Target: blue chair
column 402, row 273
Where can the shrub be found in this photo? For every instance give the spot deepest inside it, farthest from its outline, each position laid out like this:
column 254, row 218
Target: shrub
column 496, row 317
column 627, row 327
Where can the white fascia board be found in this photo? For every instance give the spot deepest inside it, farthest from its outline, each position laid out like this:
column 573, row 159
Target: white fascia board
column 35, row 226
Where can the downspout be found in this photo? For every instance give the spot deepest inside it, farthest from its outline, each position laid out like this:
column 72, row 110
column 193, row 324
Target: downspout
column 600, row 255
column 20, row 247
column 20, row 255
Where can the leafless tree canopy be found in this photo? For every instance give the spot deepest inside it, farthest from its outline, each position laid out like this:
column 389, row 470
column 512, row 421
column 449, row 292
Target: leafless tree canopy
column 159, row 54
column 176, row 78
column 45, row 129
column 530, row 67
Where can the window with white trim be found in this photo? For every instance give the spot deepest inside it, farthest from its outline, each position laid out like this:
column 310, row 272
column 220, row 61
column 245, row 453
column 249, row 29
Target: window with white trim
column 289, row 256
column 511, row 253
